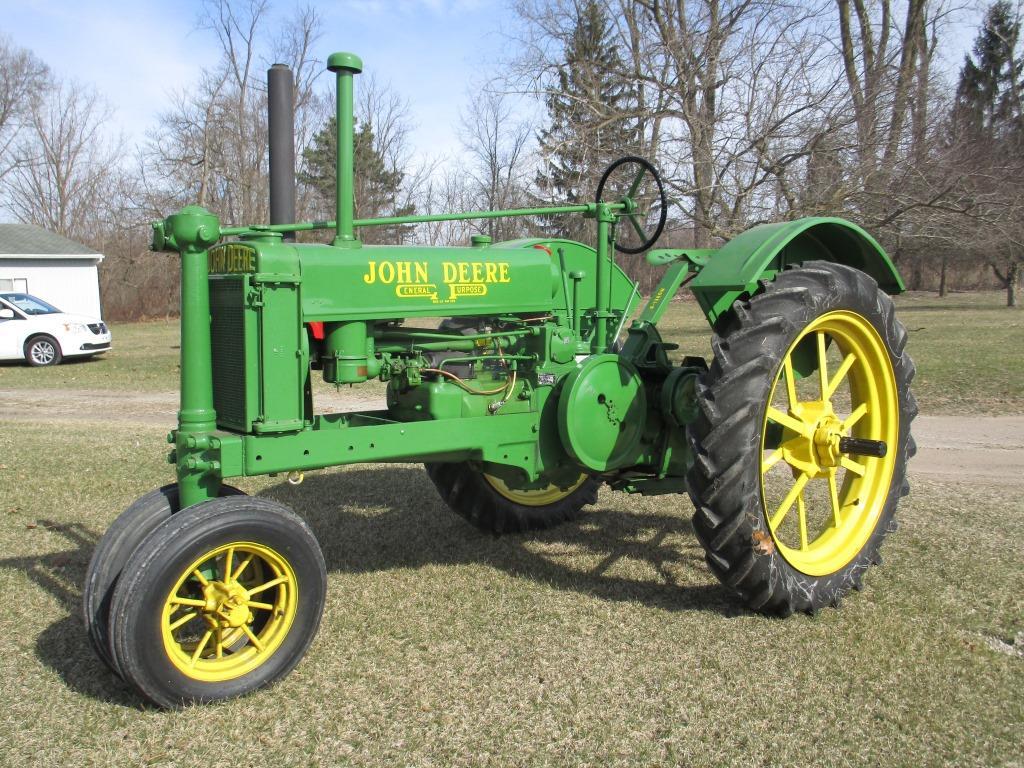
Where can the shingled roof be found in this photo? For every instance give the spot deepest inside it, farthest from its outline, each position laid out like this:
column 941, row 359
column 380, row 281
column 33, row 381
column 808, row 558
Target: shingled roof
column 28, row 239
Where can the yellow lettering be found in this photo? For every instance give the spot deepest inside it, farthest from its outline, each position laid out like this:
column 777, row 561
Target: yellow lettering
column 371, row 273
column 386, row 271
column 404, row 272
column 450, row 271
column 503, row 273
column 421, row 271
column 463, row 272
column 478, row 272
column 492, row 272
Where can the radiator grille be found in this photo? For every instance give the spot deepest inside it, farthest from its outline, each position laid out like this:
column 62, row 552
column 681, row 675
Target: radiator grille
column 228, row 339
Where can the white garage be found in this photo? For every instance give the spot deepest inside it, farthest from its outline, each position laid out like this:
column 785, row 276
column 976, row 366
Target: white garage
column 44, row 264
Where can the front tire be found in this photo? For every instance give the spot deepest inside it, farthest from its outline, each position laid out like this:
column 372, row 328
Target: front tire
column 221, row 599
column 42, row 351
column 788, row 517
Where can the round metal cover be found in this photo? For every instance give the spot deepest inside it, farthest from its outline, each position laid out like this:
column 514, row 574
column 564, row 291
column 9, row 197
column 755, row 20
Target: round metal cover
column 601, row 412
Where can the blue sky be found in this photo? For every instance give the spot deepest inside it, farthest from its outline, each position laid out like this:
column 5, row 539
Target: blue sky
column 430, row 51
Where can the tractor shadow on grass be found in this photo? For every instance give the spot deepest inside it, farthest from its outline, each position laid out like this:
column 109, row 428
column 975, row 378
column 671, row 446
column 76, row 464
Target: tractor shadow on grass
column 390, row 516
column 63, row 645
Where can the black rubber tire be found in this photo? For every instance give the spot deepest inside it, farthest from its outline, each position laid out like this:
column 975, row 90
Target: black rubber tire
column 463, row 488
column 42, row 338
column 724, row 482
column 153, row 569
column 112, row 551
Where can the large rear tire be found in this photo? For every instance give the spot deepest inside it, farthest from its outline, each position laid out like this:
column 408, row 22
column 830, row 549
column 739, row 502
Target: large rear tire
column 491, row 505
column 789, row 509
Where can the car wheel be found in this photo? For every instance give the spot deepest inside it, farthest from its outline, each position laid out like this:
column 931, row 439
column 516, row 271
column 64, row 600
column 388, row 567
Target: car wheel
column 42, row 350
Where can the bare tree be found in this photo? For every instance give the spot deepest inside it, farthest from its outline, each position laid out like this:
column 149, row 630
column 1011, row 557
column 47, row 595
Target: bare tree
column 23, row 81
column 63, row 162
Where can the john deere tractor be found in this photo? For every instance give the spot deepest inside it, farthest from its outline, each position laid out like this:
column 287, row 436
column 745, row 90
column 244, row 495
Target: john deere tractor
column 545, row 380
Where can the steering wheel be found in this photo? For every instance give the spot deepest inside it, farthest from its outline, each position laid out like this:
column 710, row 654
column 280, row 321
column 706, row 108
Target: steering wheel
column 632, row 213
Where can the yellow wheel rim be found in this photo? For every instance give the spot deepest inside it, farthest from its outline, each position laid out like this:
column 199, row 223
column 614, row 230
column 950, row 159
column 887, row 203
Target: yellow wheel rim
column 837, row 498
column 229, row 611
column 537, row 497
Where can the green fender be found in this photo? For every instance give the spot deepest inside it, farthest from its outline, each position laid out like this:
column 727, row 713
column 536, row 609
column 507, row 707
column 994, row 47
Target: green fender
column 766, row 249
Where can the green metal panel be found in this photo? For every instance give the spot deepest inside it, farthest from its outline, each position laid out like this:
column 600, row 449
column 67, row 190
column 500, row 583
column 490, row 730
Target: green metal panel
column 768, row 248
column 284, row 366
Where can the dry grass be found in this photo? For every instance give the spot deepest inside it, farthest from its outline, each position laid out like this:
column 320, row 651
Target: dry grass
column 604, row 642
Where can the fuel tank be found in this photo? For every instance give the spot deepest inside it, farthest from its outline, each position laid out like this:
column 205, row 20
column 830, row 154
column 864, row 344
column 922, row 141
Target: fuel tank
column 381, row 282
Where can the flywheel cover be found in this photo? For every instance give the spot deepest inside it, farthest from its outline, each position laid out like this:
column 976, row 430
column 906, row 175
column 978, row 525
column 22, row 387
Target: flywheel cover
column 601, row 412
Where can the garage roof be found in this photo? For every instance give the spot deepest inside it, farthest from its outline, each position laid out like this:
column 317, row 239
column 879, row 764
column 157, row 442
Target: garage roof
column 29, row 240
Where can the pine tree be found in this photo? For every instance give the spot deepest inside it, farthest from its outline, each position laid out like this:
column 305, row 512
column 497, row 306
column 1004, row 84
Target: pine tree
column 589, row 123
column 988, row 126
column 376, row 186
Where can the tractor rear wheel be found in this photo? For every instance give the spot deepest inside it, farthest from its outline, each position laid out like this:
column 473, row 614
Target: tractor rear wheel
column 803, row 437
column 220, row 599
column 491, row 505
column 112, row 551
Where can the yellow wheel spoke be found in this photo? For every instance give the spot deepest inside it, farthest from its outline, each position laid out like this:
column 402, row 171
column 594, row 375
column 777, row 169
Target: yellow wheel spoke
column 228, row 562
column 852, row 466
column 187, row 601
column 858, row 413
column 844, row 369
column 822, row 365
column 261, row 606
column 202, row 579
column 787, row 503
column 833, row 493
column 183, row 620
column 201, row 646
column 244, row 564
column 252, row 638
column 801, row 509
column 774, row 458
column 790, row 422
column 790, row 381
column 220, row 643
column 268, row 585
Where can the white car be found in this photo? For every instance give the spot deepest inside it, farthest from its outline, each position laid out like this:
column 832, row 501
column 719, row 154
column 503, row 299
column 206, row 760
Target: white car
column 39, row 333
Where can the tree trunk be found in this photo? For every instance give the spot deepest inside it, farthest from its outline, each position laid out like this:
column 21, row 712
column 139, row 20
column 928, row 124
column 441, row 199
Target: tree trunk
column 942, row 277
column 1012, row 278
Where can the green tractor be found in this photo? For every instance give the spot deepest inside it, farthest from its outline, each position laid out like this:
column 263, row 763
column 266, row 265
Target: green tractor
column 546, row 380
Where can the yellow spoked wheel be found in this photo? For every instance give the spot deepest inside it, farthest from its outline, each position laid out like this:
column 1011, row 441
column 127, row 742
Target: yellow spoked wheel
column 489, row 503
column 229, row 612
column 537, row 497
column 220, row 599
column 802, row 438
column 822, row 494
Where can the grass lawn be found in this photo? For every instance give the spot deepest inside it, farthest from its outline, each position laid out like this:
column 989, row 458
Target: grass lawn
column 602, row 642
column 969, row 350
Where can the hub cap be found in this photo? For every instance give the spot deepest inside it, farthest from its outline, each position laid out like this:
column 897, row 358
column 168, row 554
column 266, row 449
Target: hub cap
column 536, row 497
column 229, row 611
column 837, row 498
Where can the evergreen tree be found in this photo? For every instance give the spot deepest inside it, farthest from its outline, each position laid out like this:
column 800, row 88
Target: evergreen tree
column 589, row 124
column 988, row 133
column 377, row 187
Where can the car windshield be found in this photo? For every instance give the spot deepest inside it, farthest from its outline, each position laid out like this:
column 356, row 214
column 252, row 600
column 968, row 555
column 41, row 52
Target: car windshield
column 28, row 304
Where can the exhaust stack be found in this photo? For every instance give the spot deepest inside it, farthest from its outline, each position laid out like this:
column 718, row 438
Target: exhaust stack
column 281, row 149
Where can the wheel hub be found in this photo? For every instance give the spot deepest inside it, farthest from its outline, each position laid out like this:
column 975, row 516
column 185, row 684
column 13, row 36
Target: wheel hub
column 827, row 434
column 226, row 605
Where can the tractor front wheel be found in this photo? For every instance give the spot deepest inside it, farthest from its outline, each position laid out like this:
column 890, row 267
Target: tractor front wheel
column 490, row 504
column 803, row 437
column 220, row 599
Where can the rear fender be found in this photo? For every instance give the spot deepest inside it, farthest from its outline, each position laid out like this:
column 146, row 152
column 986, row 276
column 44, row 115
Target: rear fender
column 762, row 251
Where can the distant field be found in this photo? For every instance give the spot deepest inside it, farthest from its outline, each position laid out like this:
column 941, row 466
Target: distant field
column 969, row 350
